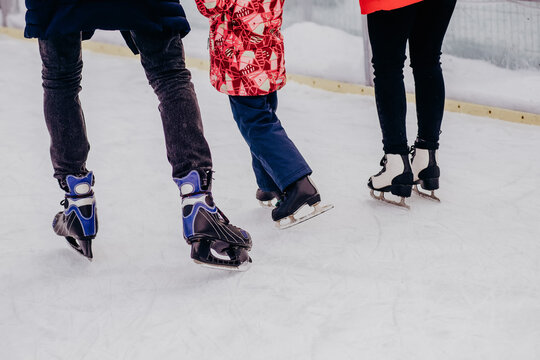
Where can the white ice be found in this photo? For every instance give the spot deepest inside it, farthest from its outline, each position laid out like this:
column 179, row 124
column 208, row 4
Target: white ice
column 449, row 281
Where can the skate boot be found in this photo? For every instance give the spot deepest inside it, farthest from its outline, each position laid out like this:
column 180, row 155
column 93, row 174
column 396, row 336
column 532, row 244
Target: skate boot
column 268, row 198
column 301, row 195
column 214, row 241
column 78, row 222
column 426, row 172
column 395, row 177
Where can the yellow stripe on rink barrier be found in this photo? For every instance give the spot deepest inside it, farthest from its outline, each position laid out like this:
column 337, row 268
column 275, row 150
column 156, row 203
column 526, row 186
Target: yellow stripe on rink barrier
column 450, row 105
column 109, row 49
column 16, row 33
column 325, row 84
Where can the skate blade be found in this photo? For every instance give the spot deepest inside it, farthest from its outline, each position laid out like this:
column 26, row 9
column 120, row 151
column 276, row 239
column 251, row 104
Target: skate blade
column 426, row 195
column 267, row 204
column 294, row 220
column 245, row 266
column 86, row 252
column 381, row 197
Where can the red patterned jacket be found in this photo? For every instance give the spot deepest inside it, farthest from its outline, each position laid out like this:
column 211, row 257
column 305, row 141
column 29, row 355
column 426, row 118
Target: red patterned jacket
column 246, row 46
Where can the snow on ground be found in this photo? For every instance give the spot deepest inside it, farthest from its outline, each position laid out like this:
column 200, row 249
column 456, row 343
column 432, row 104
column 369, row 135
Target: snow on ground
column 449, row 281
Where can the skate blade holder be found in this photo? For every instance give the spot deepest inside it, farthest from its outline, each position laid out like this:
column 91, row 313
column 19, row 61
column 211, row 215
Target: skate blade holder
column 203, row 254
column 82, row 247
column 240, row 268
column 431, row 195
column 381, row 197
column 306, row 212
column 268, row 203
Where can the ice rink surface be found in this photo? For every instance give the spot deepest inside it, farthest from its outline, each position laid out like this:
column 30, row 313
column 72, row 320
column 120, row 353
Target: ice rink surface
column 453, row 280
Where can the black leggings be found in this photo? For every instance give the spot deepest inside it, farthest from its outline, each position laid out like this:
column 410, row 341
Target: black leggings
column 424, row 25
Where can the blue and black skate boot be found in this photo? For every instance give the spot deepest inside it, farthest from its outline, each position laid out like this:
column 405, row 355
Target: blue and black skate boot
column 78, row 222
column 214, row 241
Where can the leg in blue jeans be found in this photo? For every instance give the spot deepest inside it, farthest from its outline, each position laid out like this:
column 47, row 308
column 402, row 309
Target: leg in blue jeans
column 264, row 180
column 276, row 160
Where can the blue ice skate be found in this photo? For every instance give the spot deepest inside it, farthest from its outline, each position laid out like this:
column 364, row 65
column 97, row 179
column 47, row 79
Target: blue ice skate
column 214, row 241
column 78, row 222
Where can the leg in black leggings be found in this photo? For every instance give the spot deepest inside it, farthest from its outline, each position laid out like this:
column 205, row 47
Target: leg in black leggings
column 388, row 33
column 425, row 43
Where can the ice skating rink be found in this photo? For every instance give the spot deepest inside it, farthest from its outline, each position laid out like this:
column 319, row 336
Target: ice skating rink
column 453, row 280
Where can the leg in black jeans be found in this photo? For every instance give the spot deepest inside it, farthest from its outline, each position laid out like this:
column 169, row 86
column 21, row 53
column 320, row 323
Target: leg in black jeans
column 424, row 25
column 62, row 67
column 163, row 59
column 162, row 56
column 425, row 43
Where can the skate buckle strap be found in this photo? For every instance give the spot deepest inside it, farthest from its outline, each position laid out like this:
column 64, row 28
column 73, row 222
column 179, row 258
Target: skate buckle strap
column 89, row 194
column 195, row 193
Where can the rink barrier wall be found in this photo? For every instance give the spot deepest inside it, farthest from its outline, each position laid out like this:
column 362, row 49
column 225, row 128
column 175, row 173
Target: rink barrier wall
column 325, row 84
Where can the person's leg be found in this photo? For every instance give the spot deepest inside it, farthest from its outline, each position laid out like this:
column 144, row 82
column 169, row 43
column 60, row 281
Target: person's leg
column 388, row 33
column 162, row 56
column 62, row 68
column 425, row 45
column 267, row 140
column 205, row 227
column 264, row 180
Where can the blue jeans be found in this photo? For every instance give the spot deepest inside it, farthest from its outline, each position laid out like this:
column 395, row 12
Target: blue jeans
column 276, row 161
column 162, row 57
column 423, row 25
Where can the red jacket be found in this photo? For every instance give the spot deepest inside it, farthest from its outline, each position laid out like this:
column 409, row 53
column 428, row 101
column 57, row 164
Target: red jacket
column 369, row 6
column 246, row 46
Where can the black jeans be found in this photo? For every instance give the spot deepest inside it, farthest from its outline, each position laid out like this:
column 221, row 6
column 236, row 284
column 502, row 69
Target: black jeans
column 424, row 25
column 162, row 56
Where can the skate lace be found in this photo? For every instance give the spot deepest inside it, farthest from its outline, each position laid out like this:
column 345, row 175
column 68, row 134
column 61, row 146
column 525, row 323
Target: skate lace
column 225, row 219
column 412, row 151
column 281, row 198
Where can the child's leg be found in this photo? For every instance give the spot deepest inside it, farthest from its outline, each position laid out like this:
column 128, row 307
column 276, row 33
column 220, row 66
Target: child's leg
column 267, row 140
column 264, row 180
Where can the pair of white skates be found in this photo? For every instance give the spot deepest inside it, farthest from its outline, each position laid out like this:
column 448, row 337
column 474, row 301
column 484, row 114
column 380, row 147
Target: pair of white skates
column 398, row 176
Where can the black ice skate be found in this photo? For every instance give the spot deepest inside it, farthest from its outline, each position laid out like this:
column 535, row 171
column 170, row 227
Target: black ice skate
column 267, row 198
column 298, row 197
column 78, row 223
column 426, row 172
column 395, row 177
column 214, row 241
